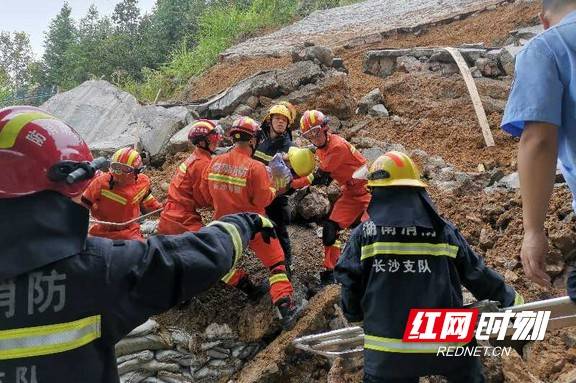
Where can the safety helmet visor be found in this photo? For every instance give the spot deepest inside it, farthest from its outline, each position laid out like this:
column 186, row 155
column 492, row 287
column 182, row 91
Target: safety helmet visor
column 313, row 133
column 120, row 168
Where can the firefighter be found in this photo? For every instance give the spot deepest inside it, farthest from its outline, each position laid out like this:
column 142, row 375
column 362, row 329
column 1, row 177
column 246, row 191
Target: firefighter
column 120, row 196
column 278, row 139
column 238, row 183
column 338, row 160
column 407, row 256
column 66, row 299
column 185, row 194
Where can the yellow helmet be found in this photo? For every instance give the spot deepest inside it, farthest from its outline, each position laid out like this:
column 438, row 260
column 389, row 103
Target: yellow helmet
column 302, row 161
column 394, row 169
column 281, row 110
column 291, row 108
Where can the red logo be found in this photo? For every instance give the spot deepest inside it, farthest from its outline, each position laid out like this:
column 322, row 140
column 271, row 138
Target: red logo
column 440, row 325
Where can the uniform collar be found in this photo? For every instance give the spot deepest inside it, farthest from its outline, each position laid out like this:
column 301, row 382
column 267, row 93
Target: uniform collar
column 45, row 227
column 200, row 152
column 245, row 151
column 402, row 206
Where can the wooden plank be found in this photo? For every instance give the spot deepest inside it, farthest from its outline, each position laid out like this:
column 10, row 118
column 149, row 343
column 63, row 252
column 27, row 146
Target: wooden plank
column 474, row 95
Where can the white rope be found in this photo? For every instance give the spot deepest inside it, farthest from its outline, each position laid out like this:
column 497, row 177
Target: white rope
column 127, row 222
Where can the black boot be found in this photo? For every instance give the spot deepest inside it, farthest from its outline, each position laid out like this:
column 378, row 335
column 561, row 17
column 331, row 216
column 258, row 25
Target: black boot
column 289, row 312
column 253, row 292
column 327, row 278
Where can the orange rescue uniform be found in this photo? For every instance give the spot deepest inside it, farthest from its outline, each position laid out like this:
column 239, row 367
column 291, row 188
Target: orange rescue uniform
column 339, row 158
column 185, row 196
column 111, row 202
column 238, row 183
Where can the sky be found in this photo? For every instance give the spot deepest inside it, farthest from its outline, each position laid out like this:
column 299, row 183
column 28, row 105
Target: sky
column 33, row 16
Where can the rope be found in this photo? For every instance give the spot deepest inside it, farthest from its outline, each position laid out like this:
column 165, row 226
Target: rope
column 127, row 222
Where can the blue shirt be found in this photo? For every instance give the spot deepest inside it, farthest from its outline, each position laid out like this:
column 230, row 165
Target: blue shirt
column 544, row 90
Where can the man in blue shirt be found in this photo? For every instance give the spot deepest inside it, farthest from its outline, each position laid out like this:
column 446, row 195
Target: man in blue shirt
column 542, row 109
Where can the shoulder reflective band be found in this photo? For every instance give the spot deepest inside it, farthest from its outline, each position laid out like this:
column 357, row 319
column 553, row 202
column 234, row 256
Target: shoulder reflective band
column 400, row 248
column 113, row 196
column 227, row 179
column 140, row 195
column 263, row 156
column 47, row 340
column 377, row 343
column 236, row 240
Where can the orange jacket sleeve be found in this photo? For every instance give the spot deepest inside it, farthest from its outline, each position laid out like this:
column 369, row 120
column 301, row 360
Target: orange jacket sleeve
column 204, row 186
column 92, row 192
column 261, row 191
column 302, row 182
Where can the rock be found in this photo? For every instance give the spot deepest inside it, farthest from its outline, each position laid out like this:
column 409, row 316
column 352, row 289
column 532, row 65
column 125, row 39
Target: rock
column 109, row 118
column 492, row 105
column 515, row 369
column 297, row 75
column 338, row 64
column 475, row 72
column 510, row 276
column 179, row 141
column 382, row 63
column 563, row 239
column 218, row 353
column 374, row 97
column 180, row 337
column 333, row 192
column 243, row 110
column 527, row 33
column 248, row 351
column 135, row 376
column 488, row 66
column 252, row 102
column 410, row 64
column 208, row 345
column 507, row 58
column 353, row 131
column 144, row 356
column 318, row 53
column 495, row 176
column 372, row 153
column 315, row 205
column 569, row 338
column 206, row 372
column 379, row 111
column 304, row 94
column 445, row 174
column 236, row 351
column 145, row 328
column 147, row 342
column 567, row 377
column 173, row 356
column 334, row 123
column 148, row 227
column 216, row 331
column 511, row 181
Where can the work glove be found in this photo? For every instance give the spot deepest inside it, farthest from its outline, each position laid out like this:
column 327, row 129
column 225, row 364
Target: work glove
column 571, row 282
column 264, row 226
column 322, row 178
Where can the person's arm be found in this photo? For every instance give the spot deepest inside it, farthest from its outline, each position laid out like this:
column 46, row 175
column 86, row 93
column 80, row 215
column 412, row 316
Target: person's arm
column 537, row 169
column 348, row 273
column 534, row 111
column 147, row 278
column 261, row 190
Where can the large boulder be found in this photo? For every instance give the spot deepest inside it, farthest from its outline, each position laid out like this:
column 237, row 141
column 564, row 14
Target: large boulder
column 109, row 118
column 318, row 54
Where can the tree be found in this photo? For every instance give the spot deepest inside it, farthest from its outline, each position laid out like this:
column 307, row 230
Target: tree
column 15, row 57
column 5, row 90
column 60, row 37
column 126, row 17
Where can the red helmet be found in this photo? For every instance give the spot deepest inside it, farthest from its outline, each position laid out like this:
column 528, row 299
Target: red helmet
column 126, row 160
column 205, row 130
column 244, row 126
column 34, row 146
column 312, row 120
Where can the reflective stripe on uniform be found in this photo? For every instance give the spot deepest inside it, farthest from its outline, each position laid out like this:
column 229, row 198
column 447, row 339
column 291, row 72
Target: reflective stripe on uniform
column 12, row 129
column 113, row 196
column 310, row 178
column 400, row 248
column 337, row 244
column 183, row 167
column 236, row 240
column 149, row 198
column 518, row 299
column 377, row 343
column 228, row 277
column 278, row 278
column 140, row 195
column 227, row 179
column 50, row 339
column 263, row 156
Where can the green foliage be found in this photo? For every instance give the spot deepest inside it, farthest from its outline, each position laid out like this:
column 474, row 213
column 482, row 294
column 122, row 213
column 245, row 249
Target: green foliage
column 5, row 90
column 160, row 50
